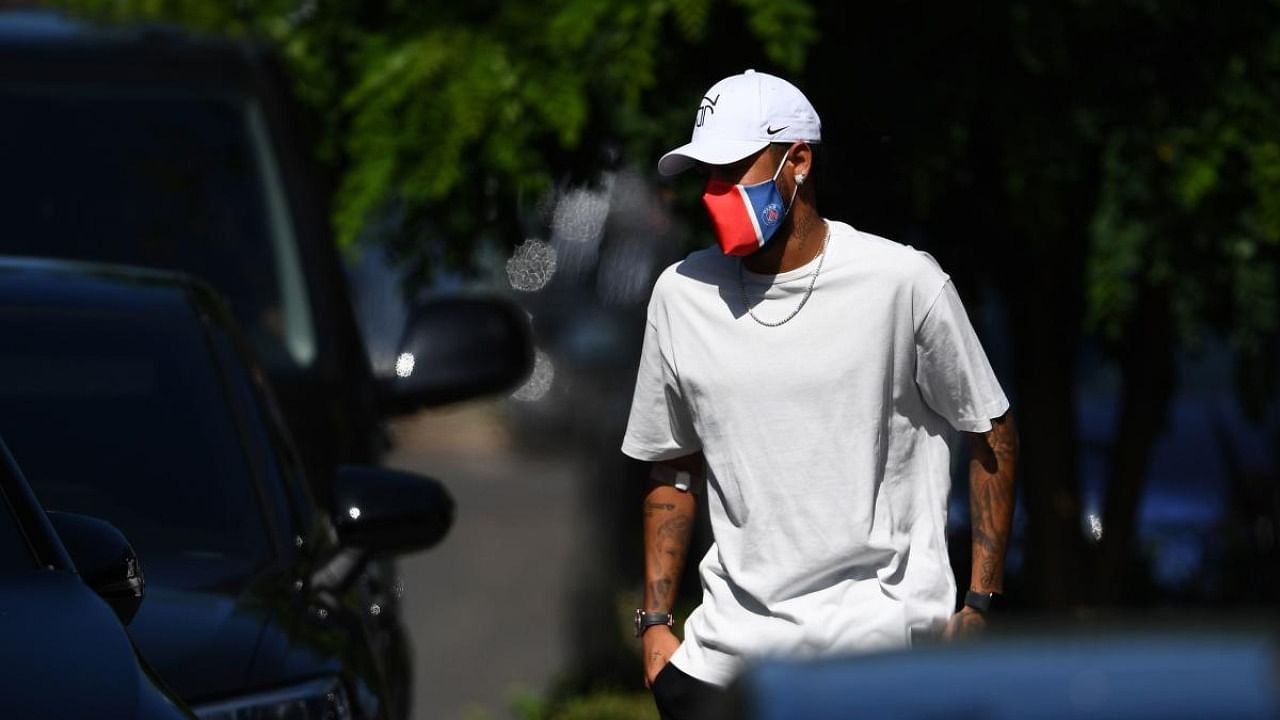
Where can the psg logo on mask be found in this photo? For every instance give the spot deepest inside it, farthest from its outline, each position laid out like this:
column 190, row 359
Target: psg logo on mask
column 770, row 213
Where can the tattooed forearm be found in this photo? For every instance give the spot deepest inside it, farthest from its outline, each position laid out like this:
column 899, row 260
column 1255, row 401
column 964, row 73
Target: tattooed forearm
column 668, row 526
column 660, row 595
column 674, row 531
column 992, row 465
column 651, row 507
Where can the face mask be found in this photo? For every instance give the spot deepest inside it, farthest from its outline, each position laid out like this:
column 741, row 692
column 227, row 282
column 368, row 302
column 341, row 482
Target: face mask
column 746, row 216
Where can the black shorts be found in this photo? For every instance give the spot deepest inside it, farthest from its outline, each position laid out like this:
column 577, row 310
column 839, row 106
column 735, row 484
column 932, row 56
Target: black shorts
column 680, row 696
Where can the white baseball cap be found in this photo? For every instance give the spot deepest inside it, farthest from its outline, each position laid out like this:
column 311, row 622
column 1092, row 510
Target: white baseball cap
column 739, row 116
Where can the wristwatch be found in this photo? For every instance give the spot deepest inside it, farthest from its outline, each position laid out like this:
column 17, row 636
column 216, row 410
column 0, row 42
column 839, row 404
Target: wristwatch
column 646, row 620
column 984, row 602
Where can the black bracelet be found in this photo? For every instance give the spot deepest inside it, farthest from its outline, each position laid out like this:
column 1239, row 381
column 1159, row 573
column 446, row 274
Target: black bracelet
column 984, row 602
column 645, row 620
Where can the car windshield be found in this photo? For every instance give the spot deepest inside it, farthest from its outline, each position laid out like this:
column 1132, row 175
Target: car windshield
column 181, row 181
column 121, row 414
column 14, row 552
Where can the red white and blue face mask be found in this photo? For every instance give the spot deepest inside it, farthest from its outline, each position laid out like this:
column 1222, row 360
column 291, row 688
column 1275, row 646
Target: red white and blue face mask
column 746, row 216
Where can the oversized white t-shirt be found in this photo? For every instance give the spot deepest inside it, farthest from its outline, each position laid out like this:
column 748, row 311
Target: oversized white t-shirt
column 826, row 441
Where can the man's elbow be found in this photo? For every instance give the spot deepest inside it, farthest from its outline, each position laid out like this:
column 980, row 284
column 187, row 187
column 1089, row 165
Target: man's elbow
column 1004, row 424
column 996, row 446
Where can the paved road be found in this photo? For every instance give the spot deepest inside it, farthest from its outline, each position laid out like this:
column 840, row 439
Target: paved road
column 487, row 609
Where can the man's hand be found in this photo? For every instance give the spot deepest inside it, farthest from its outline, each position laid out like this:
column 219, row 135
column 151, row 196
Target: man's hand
column 659, row 644
column 964, row 625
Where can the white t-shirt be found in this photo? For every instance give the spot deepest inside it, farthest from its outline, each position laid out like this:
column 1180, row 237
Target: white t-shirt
column 826, row 440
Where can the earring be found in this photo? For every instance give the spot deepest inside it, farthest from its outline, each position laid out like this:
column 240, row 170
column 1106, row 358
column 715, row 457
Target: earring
column 799, row 178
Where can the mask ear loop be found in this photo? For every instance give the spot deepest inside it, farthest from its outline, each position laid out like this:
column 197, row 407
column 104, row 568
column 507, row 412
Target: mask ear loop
column 795, row 190
column 781, row 165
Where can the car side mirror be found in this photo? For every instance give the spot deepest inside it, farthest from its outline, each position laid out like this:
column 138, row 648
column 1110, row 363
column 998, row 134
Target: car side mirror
column 457, row 348
column 387, row 512
column 105, row 560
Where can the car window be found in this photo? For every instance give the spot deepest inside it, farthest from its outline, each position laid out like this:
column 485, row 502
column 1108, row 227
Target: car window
column 179, row 181
column 15, row 553
column 265, row 435
column 120, row 414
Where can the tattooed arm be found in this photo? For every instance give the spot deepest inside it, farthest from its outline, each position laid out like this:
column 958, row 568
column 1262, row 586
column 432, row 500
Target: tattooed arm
column 993, row 459
column 668, row 525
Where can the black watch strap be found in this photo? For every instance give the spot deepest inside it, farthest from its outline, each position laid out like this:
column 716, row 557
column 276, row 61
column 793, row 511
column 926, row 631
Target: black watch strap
column 645, row 620
column 984, row 602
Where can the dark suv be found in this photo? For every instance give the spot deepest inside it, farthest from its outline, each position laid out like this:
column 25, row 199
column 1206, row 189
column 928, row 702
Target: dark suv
column 130, row 397
column 150, row 147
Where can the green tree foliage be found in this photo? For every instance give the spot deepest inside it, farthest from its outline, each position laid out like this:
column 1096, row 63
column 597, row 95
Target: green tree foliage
column 1184, row 240
column 454, row 116
column 1190, row 197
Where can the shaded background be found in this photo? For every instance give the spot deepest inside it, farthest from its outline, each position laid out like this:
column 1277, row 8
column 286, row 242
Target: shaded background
column 1101, row 180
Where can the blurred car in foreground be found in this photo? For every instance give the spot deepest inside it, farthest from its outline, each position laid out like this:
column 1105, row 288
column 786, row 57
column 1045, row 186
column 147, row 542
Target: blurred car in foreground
column 1128, row 675
column 129, row 394
column 67, row 583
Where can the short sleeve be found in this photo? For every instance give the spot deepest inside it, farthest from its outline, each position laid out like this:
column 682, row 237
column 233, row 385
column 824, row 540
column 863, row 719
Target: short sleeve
column 660, row 425
column 952, row 370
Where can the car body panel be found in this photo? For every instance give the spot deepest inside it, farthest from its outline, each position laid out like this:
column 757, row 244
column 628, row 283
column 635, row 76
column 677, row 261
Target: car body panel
column 65, row 653
column 81, row 661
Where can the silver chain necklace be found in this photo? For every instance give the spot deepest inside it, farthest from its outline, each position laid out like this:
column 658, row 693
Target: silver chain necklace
column 742, row 285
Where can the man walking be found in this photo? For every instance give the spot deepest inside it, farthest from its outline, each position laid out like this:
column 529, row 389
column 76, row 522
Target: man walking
column 805, row 379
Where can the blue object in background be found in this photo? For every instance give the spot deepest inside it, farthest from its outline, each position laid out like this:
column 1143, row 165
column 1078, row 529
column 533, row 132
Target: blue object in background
column 1134, row 677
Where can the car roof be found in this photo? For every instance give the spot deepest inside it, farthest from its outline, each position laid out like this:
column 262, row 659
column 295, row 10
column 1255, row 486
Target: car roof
column 28, row 25
column 41, row 45
column 40, row 282
column 52, row 29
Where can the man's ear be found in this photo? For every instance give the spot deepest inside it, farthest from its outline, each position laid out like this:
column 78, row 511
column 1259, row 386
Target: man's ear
column 801, row 161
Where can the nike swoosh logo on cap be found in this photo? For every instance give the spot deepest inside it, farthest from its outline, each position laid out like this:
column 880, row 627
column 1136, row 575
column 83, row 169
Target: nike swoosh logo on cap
column 772, row 131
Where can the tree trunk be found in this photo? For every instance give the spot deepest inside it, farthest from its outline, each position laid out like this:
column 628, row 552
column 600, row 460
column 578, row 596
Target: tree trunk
column 1047, row 331
column 1147, row 369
